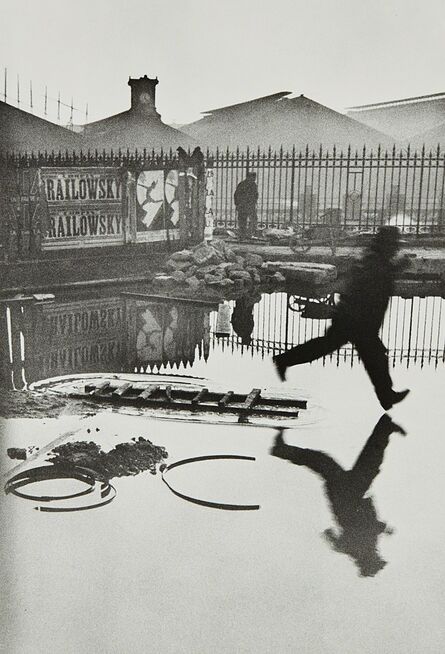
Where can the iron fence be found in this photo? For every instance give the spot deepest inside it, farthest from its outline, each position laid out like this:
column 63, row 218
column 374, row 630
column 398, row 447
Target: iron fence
column 358, row 190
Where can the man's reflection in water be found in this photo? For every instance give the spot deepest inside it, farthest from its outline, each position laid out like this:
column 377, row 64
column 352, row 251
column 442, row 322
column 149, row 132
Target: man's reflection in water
column 242, row 317
column 356, row 516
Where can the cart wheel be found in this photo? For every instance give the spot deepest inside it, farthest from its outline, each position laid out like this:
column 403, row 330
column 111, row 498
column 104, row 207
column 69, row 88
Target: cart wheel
column 333, row 241
column 301, row 247
column 301, row 243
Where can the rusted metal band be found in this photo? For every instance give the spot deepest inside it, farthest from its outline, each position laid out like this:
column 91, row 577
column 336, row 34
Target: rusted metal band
column 107, row 491
column 44, row 473
column 195, row 500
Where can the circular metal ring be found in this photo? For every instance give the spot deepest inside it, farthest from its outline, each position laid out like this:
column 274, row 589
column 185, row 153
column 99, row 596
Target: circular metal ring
column 195, row 500
column 44, row 473
column 108, row 493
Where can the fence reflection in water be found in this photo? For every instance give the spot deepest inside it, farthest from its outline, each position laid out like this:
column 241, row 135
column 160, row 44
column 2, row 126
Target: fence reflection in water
column 109, row 334
column 413, row 330
column 120, row 335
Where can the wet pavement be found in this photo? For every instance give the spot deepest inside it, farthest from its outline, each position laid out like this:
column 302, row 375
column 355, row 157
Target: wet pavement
column 152, row 571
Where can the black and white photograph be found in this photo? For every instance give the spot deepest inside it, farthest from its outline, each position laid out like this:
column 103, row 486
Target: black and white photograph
column 222, row 327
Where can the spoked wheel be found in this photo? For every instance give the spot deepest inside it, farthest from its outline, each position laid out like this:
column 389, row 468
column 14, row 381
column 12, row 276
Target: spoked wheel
column 300, row 242
column 333, row 245
column 334, row 237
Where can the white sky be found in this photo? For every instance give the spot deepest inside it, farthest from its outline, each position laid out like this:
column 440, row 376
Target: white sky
column 210, row 53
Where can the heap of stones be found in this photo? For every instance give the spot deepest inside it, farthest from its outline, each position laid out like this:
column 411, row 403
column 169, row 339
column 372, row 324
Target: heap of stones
column 216, row 266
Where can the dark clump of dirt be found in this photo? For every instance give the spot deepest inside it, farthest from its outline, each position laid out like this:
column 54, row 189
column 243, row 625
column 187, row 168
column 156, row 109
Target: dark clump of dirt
column 125, row 459
column 16, row 453
column 21, row 453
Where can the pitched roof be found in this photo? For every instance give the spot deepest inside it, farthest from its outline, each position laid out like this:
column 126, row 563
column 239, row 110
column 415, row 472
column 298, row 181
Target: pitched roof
column 403, row 118
column 249, row 103
column 132, row 129
column 24, row 132
column 430, row 138
column 278, row 120
column 401, row 101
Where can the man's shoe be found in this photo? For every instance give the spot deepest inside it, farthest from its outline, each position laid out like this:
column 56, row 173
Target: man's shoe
column 279, row 445
column 394, row 398
column 280, row 368
column 398, row 397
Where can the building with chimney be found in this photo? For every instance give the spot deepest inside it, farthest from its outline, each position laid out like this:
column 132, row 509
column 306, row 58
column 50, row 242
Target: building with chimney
column 139, row 127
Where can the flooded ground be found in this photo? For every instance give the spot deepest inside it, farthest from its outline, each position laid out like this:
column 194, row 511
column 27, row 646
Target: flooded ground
column 315, row 569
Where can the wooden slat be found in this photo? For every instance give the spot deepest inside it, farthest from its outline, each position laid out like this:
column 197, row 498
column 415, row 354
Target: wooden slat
column 122, row 389
column 224, row 401
column 251, row 399
column 148, row 392
column 101, row 388
column 92, row 389
column 283, row 401
column 199, row 396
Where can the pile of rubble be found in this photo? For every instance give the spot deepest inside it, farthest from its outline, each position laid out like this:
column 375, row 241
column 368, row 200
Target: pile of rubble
column 123, row 460
column 215, row 265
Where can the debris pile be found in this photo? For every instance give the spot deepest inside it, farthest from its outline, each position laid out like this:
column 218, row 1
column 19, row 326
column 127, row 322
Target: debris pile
column 125, row 459
column 215, row 265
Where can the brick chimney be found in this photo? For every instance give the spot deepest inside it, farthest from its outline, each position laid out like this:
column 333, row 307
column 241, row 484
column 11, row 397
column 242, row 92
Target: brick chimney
column 143, row 95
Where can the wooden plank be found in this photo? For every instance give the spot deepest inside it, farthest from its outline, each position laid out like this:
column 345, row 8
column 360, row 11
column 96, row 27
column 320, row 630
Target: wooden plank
column 90, row 388
column 148, row 392
column 199, row 396
column 224, row 401
column 280, row 401
column 122, row 389
column 212, row 406
column 256, row 410
column 100, row 388
column 198, row 399
column 251, row 399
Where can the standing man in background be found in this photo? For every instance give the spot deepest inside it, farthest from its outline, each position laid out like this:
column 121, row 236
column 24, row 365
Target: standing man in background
column 245, row 197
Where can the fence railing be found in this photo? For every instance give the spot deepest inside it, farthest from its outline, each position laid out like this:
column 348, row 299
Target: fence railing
column 361, row 190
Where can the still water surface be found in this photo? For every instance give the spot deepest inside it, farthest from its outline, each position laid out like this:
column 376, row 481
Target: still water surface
column 152, row 572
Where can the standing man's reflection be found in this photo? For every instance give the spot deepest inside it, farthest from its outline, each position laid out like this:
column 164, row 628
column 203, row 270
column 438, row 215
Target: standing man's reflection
column 242, row 317
column 356, row 516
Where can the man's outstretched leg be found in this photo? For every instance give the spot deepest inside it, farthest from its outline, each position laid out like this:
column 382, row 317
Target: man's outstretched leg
column 317, row 461
column 309, row 351
column 368, row 464
column 375, row 359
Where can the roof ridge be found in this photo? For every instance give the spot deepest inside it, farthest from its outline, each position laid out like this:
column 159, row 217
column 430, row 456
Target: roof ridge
column 399, row 102
column 272, row 96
